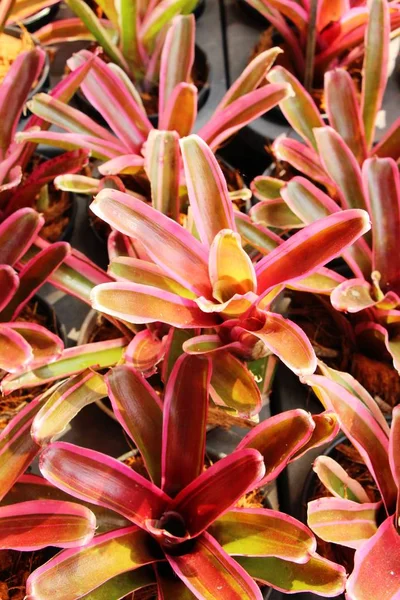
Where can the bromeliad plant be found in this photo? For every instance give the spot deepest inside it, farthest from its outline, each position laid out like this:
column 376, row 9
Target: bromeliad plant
column 132, row 35
column 17, row 188
column 355, row 173
column 350, row 518
column 202, row 296
column 207, row 281
column 336, row 37
column 186, row 533
column 24, row 344
column 133, row 143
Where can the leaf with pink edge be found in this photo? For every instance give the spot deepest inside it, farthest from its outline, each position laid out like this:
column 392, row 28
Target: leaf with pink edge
column 69, row 30
column 162, row 165
column 8, row 285
column 125, row 268
column 144, row 352
column 389, row 144
column 341, row 165
column 189, row 379
column 128, row 164
column 161, row 15
column 65, row 403
column 343, row 111
column 326, row 429
column 286, row 340
column 136, row 303
column 120, row 586
column 37, row 524
column 278, row 439
column 17, row 233
column 256, row 236
column 17, row 448
column 174, row 347
column 171, row 247
column 231, row 270
column 17, row 84
column 275, row 213
column 382, row 182
column 233, row 385
column 337, row 481
column 302, row 158
column 376, row 566
column 318, row 575
column 360, row 426
column 310, row 204
column 106, row 92
column 46, row 346
column 299, row 108
column 218, row 489
column 100, row 479
column 176, row 60
column 354, row 387
column 207, row 188
column 208, row 567
column 72, row 360
column 266, row 188
column 34, row 487
column 139, row 411
column 15, row 353
column 33, row 275
column 68, row 118
column 96, row 28
column 242, row 111
column 374, row 80
column 311, row 248
column 76, row 572
column 251, row 77
column 394, row 458
column 342, row 521
column 181, row 110
column 263, row 532
column 104, row 150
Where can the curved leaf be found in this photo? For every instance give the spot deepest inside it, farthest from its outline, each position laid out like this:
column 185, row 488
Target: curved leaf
column 138, row 409
column 210, row 573
column 185, row 411
column 40, row 523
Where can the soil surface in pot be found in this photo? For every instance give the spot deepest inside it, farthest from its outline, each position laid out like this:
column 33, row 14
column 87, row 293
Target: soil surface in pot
column 271, row 38
column 330, row 333
column 351, row 461
column 34, row 312
column 10, row 48
column 57, row 211
column 15, row 568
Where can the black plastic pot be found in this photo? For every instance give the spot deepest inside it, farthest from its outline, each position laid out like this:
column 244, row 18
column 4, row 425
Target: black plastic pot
column 203, row 68
column 53, row 322
column 198, row 11
column 251, row 12
column 72, row 212
column 44, row 79
column 41, row 18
